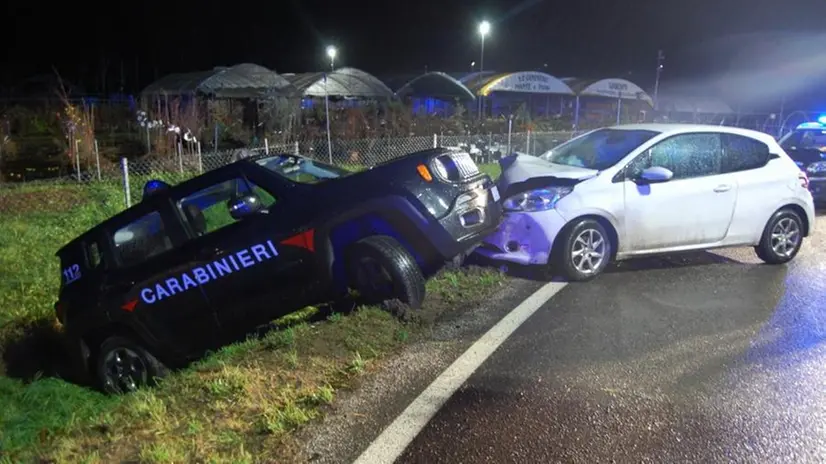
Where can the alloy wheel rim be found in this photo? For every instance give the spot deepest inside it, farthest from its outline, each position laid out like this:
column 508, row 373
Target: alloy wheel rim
column 588, row 251
column 124, row 370
column 785, row 237
column 373, row 277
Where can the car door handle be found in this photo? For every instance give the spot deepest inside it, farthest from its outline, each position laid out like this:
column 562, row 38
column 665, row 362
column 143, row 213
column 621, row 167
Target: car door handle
column 722, row 188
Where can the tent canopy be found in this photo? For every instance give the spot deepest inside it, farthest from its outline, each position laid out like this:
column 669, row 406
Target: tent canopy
column 435, row 84
column 611, row 88
column 343, row 82
column 245, row 80
column 519, row 82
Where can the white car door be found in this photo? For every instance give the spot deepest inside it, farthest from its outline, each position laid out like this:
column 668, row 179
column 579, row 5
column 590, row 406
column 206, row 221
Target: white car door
column 694, row 208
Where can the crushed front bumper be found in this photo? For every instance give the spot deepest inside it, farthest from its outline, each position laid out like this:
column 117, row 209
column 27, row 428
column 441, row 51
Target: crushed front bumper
column 476, row 213
column 524, row 238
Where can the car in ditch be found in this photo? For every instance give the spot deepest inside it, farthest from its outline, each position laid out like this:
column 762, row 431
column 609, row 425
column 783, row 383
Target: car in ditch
column 806, row 145
column 196, row 265
column 642, row 189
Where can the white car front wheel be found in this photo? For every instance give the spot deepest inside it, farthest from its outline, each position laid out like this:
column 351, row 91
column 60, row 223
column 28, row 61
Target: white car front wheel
column 583, row 250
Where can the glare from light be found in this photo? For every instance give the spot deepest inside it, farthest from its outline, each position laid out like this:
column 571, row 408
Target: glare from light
column 331, row 52
column 822, row 119
column 484, row 28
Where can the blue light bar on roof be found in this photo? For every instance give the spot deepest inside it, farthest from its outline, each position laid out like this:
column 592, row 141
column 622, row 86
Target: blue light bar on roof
column 812, row 125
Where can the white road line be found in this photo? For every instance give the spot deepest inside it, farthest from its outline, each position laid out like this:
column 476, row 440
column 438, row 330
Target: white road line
column 394, row 439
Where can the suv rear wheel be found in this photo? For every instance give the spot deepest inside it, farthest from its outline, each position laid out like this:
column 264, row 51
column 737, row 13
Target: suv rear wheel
column 123, row 366
column 381, row 269
column 781, row 238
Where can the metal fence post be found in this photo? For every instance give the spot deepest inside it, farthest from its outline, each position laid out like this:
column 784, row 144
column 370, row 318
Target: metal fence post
column 124, row 169
column 180, row 158
column 296, row 148
column 266, row 146
column 97, row 158
column 77, row 158
column 528, row 143
column 510, row 132
column 435, row 140
column 200, row 159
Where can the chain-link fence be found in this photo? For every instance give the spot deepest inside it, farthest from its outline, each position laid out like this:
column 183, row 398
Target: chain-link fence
column 130, row 174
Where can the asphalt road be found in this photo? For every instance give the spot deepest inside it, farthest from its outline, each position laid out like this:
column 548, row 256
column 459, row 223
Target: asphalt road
column 706, row 357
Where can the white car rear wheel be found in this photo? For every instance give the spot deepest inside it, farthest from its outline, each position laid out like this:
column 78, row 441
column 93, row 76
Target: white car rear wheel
column 782, row 238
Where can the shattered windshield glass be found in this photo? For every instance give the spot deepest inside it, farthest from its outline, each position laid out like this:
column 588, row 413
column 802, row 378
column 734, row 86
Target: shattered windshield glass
column 599, row 149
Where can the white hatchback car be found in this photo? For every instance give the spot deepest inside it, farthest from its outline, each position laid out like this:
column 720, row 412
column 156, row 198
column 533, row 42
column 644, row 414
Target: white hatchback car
column 642, row 189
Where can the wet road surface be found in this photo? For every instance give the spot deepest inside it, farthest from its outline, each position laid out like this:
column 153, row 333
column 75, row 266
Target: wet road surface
column 705, row 357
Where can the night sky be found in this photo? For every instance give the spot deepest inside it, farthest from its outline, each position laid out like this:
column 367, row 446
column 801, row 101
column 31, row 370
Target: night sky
column 595, row 38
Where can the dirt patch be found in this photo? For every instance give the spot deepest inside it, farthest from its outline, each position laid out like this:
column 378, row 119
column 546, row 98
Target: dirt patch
column 47, row 200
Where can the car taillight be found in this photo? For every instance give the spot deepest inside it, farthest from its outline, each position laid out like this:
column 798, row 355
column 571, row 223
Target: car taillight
column 804, row 179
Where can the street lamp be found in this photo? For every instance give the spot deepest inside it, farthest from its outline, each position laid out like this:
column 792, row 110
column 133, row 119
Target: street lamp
column 660, row 59
column 484, row 30
column 331, row 53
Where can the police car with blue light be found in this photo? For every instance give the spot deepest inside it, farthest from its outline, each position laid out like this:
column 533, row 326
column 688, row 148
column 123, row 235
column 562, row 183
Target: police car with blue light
column 806, row 145
column 200, row 264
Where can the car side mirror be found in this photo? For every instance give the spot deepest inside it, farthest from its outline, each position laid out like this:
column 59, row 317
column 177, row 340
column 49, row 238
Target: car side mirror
column 654, row 175
column 246, row 206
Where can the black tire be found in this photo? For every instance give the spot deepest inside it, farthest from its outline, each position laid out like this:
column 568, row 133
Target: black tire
column 766, row 250
column 569, row 241
column 400, row 277
column 138, row 368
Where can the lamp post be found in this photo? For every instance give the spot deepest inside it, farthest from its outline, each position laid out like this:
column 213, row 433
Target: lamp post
column 331, row 53
column 660, row 58
column 484, row 30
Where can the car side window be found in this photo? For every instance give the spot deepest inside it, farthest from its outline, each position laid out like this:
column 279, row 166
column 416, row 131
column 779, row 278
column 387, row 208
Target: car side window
column 689, row 155
column 208, row 209
column 743, row 153
column 635, row 168
column 141, row 239
column 93, row 254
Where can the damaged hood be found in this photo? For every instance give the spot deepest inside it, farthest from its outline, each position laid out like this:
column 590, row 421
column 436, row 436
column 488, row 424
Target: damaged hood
column 525, row 172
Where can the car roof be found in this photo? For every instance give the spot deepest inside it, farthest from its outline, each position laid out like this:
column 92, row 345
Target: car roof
column 674, row 128
column 171, row 191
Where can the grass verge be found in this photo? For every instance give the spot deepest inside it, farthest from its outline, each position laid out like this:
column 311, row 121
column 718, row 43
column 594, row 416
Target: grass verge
column 236, row 405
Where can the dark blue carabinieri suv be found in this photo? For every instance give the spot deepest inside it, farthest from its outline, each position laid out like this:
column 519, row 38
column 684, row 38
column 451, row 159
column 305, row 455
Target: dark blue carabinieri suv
column 195, row 265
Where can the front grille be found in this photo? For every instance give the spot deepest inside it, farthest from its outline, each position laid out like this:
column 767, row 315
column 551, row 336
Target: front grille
column 467, row 167
column 455, row 166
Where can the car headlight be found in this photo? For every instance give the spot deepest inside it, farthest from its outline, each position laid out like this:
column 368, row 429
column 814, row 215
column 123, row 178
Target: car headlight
column 536, row 200
column 817, row 167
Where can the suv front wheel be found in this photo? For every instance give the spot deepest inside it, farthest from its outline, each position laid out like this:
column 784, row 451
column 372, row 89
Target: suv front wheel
column 123, row 366
column 380, row 268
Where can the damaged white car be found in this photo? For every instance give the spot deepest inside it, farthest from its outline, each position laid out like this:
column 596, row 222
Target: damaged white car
column 643, row 189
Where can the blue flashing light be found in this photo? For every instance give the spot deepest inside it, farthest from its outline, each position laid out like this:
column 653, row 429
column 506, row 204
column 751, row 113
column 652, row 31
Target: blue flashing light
column 811, row 125
column 154, row 186
column 822, row 119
